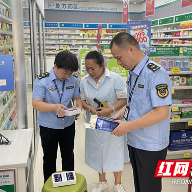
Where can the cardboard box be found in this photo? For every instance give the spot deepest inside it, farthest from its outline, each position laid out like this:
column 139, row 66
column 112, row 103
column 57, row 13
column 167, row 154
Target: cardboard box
column 180, row 140
column 106, row 124
column 64, row 178
column 186, row 112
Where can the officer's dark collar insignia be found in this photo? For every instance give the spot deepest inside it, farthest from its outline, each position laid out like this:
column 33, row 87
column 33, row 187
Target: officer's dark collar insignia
column 43, row 75
column 52, row 89
column 162, row 90
column 153, row 67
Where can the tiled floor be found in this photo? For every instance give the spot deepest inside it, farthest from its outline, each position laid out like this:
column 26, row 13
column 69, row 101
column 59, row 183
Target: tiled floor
column 91, row 175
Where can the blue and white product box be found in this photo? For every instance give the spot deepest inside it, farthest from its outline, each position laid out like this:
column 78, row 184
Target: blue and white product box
column 64, row 178
column 70, row 112
column 106, row 124
column 180, row 140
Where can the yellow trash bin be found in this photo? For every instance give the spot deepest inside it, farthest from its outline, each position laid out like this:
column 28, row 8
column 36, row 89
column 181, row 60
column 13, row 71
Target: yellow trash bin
column 80, row 186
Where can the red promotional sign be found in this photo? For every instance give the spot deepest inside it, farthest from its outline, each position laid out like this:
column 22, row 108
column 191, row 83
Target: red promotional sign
column 150, row 4
column 173, row 169
column 125, row 10
column 99, row 36
column 186, row 3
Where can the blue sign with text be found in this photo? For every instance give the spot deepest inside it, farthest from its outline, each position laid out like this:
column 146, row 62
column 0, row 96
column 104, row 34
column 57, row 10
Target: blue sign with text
column 94, row 26
column 51, row 24
column 6, row 73
column 71, row 25
column 117, row 26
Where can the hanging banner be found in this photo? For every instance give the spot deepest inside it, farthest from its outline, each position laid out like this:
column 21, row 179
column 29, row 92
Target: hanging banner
column 99, row 36
column 141, row 30
column 185, row 3
column 149, row 7
column 125, row 10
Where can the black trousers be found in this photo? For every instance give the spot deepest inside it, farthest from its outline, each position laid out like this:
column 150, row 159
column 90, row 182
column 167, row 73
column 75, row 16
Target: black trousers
column 144, row 164
column 50, row 138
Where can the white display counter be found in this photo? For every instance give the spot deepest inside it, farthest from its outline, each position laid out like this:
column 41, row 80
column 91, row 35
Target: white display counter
column 18, row 156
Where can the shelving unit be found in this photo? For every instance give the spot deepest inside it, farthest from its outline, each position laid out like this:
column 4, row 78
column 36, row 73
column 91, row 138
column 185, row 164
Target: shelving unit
column 174, row 32
column 73, row 36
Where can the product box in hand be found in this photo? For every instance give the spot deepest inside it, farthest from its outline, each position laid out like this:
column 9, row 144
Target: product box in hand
column 106, row 124
column 71, row 112
column 63, row 178
column 180, row 140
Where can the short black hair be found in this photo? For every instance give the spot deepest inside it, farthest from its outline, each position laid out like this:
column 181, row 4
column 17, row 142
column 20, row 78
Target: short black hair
column 123, row 40
column 95, row 55
column 66, row 60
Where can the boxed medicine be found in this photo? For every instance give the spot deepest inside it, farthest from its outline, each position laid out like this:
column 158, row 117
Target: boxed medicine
column 63, row 178
column 180, row 140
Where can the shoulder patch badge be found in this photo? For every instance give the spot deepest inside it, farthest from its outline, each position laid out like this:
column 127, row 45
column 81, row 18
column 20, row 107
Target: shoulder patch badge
column 153, row 67
column 162, row 90
column 43, row 75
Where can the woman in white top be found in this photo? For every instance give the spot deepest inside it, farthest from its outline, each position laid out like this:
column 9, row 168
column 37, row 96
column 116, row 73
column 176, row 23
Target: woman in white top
column 105, row 86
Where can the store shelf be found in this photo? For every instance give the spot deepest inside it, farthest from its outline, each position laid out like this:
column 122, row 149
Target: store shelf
column 177, row 154
column 13, row 122
column 2, row 48
column 181, row 120
column 3, row 95
column 181, row 73
column 4, row 19
column 78, row 43
column 54, row 33
column 182, row 105
column 8, row 117
column 4, row 4
column 187, row 37
column 7, row 104
column 181, row 87
column 175, row 30
column 180, row 45
column 6, row 32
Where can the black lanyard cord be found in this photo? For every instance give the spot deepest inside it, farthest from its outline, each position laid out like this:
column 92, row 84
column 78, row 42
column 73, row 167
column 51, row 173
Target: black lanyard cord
column 60, row 96
column 133, row 88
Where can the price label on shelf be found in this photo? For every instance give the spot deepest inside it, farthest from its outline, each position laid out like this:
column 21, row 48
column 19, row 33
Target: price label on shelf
column 181, row 32
column 175, row 109
column 163, row 45
column 73, row 44
column 175, row 117
column 64, row 49
column 172, row 91
column 68, row 49
column 57, row 49
column 187, row 155
column 175, row 70
column 189, row 123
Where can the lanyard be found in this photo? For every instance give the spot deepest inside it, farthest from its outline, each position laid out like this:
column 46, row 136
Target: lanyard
column 60, row 96
column 132, row 90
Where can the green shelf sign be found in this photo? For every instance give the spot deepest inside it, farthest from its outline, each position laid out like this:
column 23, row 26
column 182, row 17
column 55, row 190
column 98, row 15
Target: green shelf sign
column 187, row 51
column 166, row 20
column 185, row 17
column 155, row 22
column 164, row 51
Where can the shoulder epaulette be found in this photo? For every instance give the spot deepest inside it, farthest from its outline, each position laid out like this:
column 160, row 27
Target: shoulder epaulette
column 43, row 75
column 153, row 67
